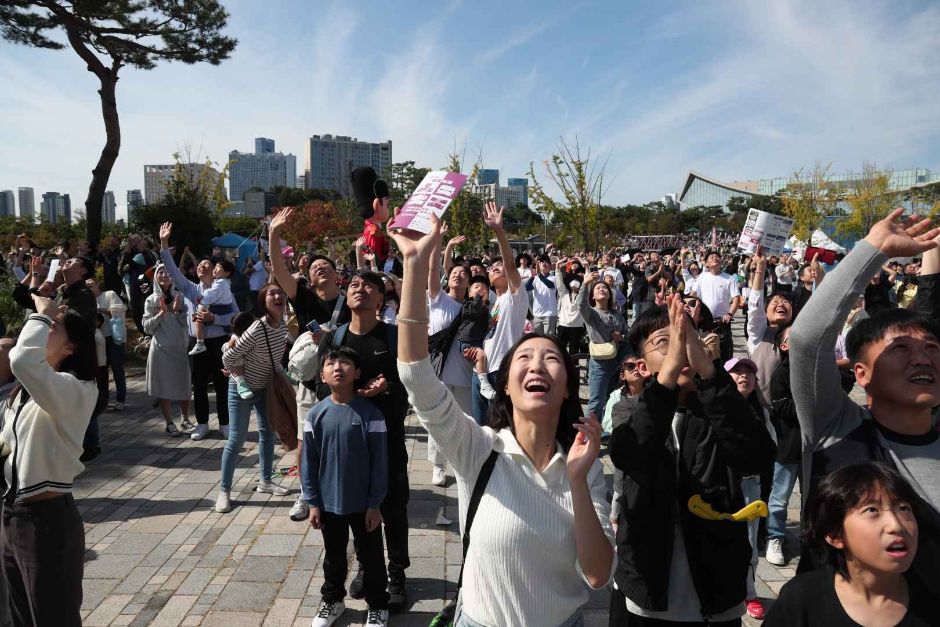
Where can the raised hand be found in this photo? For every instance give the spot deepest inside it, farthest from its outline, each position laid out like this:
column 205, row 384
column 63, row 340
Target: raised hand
column 166, row 229
column 897, row 236
column 456, row 241
column 492, row 216
column 591, row 277
column 280, row 219
column 584, row 449
column 677, row 356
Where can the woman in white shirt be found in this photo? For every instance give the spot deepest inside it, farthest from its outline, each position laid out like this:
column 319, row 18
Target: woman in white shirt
column 42, row 537
column 547, row 488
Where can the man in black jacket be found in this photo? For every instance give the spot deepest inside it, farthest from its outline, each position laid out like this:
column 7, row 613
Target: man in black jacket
column 68, row 289
column 691, row 434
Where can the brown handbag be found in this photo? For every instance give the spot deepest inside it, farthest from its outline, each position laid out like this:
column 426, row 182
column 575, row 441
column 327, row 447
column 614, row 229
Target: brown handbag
column 281, row 402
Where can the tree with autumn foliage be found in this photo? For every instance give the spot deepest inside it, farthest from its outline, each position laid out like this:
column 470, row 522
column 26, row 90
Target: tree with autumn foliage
column 871, row 199
column 809, row 198
column 314, row 223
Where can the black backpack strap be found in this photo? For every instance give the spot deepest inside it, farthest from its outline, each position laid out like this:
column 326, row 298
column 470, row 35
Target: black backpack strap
column 479, row 488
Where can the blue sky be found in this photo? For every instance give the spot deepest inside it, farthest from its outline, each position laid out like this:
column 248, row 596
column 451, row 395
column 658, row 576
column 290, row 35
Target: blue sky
column 734, row 90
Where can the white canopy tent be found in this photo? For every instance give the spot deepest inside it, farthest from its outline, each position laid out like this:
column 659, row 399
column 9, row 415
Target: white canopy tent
column 819, row 240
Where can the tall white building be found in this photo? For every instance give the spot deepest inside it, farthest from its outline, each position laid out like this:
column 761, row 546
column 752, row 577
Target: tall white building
column 27, row 202
column 156, row 178
column 331, row 159
column 7, row 203
column 108, row 208
column 265, row 169
column 509, row 196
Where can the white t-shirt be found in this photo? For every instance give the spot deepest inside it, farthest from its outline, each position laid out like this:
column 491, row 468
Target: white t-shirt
column 509, row 312
column 544, row 298
column 112, row 302
column 443, row 311
column 614, row 272
column 717, row 290
column 258, row 278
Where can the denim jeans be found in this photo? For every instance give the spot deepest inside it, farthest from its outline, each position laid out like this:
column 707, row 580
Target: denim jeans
column 784, row 479
column 480, row 405
column 750, row 488
column 600, row 374
column 239, row 410
column 115, row 353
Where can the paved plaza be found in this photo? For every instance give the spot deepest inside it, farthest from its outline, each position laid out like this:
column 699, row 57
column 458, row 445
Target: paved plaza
column 158, row 554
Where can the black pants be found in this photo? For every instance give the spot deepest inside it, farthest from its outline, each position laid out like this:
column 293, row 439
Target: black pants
column 41, row 547
column 620, row 617
column 206, row 368
column 571, row 338
column 725, row 341
column 335, row 528
column 395, row 514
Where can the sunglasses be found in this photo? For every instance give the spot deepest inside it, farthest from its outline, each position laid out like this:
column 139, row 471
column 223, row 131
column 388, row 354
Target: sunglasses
column 629, row 366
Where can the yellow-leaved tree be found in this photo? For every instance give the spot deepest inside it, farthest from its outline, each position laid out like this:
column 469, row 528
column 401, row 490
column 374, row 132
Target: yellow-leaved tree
column 871, row 198
column 809, row 197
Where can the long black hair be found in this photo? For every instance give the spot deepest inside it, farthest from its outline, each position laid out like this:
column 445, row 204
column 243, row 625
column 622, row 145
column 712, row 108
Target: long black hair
column 500, row 414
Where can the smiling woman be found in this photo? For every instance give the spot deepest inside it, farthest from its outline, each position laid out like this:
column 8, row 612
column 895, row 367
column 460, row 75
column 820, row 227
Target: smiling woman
column 547, row 486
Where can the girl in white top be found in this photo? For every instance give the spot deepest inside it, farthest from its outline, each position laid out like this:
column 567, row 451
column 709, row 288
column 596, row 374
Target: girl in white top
column 542, row 534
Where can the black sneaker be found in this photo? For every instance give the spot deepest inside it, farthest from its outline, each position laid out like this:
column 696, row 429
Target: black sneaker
column 357, row 585
column 89, row 454
column 397, row 595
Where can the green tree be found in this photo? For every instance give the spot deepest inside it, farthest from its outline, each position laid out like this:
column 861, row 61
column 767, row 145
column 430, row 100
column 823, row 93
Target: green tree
column 809, row 198
column 579, row 178
column 871, row 199
column 402, row 179
column 110, row 35
column 465, row 213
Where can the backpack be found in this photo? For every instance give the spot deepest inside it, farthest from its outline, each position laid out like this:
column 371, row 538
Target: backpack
column 335, row 338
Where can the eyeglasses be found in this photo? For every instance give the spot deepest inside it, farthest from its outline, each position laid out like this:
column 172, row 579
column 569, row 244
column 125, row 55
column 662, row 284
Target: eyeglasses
column 659, row 344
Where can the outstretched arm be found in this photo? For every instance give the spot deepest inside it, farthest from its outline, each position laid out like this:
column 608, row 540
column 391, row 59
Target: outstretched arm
column 494, row 219
column 281, row 274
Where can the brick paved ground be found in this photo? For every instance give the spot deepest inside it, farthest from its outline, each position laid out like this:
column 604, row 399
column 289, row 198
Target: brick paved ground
column 157, row 554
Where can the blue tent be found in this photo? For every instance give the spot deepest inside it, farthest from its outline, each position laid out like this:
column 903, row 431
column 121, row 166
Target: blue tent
column 247, row 247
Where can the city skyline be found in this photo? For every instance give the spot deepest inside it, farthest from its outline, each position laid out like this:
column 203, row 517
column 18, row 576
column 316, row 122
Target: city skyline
column 738, row 90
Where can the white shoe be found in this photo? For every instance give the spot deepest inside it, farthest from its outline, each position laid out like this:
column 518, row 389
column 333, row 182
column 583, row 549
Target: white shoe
column 223, row 429
column 223, row 503
column 774, row 553
column 327, row 613
column 439, row 475
column 116, row 406
column 197, row 349
column 300, row 510
column 271, row 488
column 200, row 432
column 377, row 618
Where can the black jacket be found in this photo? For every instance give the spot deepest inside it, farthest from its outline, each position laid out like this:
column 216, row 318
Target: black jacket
column 720, row 440
column 783, row 415
column 75, row 296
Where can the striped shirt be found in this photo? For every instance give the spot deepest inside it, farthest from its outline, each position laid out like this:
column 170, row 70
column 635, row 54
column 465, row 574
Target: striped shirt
column 252, row 355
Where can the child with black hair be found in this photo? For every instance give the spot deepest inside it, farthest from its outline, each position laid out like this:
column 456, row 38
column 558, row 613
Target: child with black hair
column 241, row 323
column 217, row 299
column 864, row 518
column 344, row 470
column 475, row 314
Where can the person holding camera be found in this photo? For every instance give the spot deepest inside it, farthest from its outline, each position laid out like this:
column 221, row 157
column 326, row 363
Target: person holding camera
column 42, row 538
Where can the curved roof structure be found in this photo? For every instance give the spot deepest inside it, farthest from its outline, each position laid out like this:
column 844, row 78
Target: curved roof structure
column 693, row 176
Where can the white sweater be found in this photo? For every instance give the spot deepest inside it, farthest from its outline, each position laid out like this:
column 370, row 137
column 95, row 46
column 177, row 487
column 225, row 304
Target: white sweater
column 522, row 567
column 46, row 439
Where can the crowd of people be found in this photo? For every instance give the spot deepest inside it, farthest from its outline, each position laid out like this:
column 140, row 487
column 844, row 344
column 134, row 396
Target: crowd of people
column 487, row 348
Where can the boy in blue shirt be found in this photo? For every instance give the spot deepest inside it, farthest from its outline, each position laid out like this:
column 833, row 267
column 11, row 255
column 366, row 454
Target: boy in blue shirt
column 344, row 470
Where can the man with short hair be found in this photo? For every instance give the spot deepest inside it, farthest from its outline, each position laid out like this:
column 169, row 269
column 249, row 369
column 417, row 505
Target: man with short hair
column 720, row 293
column 896, row 359
column 544, row 296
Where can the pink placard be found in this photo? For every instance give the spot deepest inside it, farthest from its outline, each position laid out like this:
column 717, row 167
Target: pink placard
column 433, row 195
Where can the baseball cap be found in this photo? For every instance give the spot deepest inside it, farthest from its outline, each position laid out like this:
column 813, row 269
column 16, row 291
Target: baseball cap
column 732, row 363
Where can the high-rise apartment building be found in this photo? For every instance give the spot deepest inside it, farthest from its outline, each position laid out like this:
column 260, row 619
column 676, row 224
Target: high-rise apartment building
column 108, row 209
column 156, row 178
column 57, row 208
column 27, row 202
column 331, row 159
column 135, row 200
column 265, row 169
column 7, row 203
column 516, row 193
column 487, row 177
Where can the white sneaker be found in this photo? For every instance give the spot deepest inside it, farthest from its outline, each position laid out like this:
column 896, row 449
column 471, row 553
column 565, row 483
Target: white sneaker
column 271, row 488
column 197, row 349
column 377, row 618
column 327, row 613
column 300, row 510
column 223, row 503
column 200, row 432
column 223, row 429
column 116, row 406
column 774, row 553
column 439, row 475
